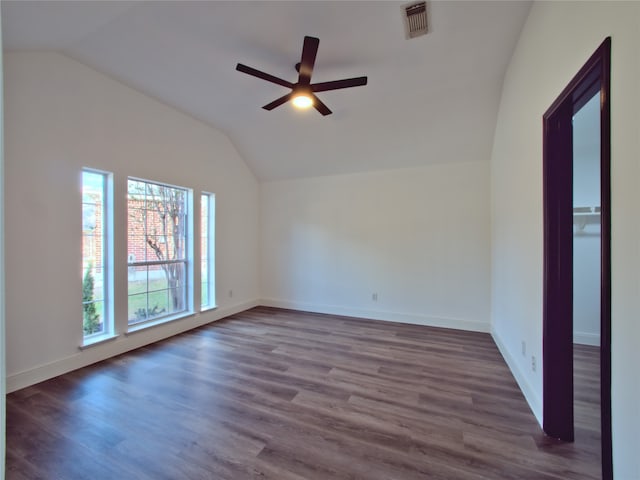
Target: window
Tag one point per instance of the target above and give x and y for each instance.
(158, 251)
(207, 242)
(96, 311)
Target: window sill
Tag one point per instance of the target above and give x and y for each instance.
(138, 327)
(98, 340)
(208, 308)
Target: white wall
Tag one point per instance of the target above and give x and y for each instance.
(556, 41)
(586, 154)
(61, 116)
(586, 285)
(418, 237)
(586, 237)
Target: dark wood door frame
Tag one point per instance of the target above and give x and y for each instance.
(557, 343)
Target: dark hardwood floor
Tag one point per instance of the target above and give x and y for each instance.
(586, 401)
(277, 394)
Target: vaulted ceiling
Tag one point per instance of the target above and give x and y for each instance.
(431, 99)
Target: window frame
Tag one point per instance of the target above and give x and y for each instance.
(106, 255)
(207, 252)
(187, 261)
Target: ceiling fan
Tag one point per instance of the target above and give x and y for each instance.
(303, 92)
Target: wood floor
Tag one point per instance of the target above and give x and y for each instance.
(586, 401)
(277, 394)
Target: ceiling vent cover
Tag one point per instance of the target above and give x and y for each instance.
(415, 19)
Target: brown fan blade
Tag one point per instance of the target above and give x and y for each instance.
(278, 102)
(309, 51)
(338, 84)
(264, 76)
(319, 106)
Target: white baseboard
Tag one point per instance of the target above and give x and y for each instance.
(530, 395)
(584, 338)
(414, 319)
(122, 344)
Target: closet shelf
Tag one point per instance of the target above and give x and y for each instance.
(583, 216)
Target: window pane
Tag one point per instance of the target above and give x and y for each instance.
(205, 272)
(137, 279)
(176, 299)
(157, 250)
(158, 304)
(157, 279)
(94, 249)
(207, 210)
(98, 284)
(137, 307)
(205, 294)
(136, 188)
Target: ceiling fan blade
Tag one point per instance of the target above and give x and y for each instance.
(337, 84)
(309, 51)
(319, 106)
(264, 76)
(278, 102)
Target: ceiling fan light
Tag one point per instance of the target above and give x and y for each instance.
(302, 101)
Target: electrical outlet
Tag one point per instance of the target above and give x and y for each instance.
(374, 297)
(524, 348)
(230, 293)
(533, 363)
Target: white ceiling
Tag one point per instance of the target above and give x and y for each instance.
(432, 99)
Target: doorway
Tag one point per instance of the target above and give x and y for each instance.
(593, 79)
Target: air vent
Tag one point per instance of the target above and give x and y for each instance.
(415, 19)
